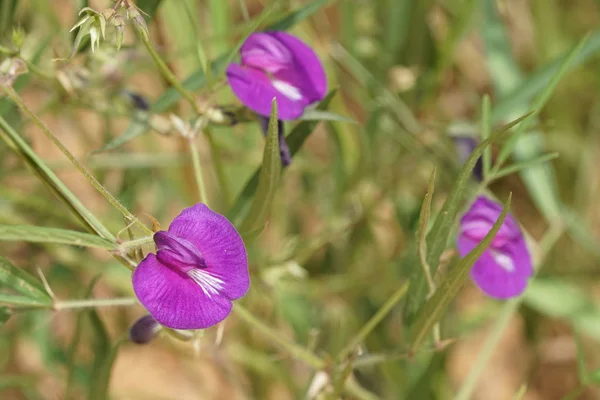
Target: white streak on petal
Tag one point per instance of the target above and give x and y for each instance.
(504, 261)
(288, 90)
(209, 283)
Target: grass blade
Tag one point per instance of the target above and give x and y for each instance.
(440, 232)
(297, 16)
(295, 140)
(49, 178)
(434, 308)
(22, 282)
(268, 180)
(38, 234)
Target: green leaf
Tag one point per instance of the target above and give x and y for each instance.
(318, 115)
(268, 180)
(423, 224)
(149, 7)
(520, 166)
(38, 234)
(434, 308)
(5, 314)
(440, 232)
(21, 301)
(512, 102)
(295, 140)
(297, 16)
(16, 143)
(22, 282)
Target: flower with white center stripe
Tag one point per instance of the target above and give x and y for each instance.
(277, 65)
(200, 266)
(504, 269)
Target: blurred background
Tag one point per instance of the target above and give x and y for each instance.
(341, 235)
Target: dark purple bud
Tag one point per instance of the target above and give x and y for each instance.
(137, 100)
(284, 150)
(464, 147)
(144, 330)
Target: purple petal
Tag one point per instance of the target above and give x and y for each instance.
(480, 218)
(177, 252)
(308, 73)
(175, 300)
(254, 88)
(263, 51)
(500, 273)
(220, 245)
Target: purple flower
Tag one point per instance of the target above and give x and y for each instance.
(199, 268)
(504, 268)
(277, 65)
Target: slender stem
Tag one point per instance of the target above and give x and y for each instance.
(14, 96)
(48, 177)
(93, 303)
(220, 171)
(374, 321)
(169, 76)
(132, 244)
(292, 348)
(198, 171)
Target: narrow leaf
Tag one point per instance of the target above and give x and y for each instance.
(297, 16)
(541, 100)
(22, 282)
(536, 82)
(149, 7)
(422, 229)
(434, 308)
(318, 115)
(5, 314)
(295, 141)
(49, 178)
(21, 301)
(38, 234)
(440, 232)
(520, 166)
(268, 180)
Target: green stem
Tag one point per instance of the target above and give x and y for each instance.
(47, 176)
(93, 303)
(132, 244)
(374, 321)
(198, 170)
(169, 76)
(220, 171)
(292, 348)
(14, 96)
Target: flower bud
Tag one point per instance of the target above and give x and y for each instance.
(139, 23)
(144, 330)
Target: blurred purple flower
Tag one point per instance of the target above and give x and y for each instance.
(504, 268)
(277, 65)
(200, 267)
(284, 150)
